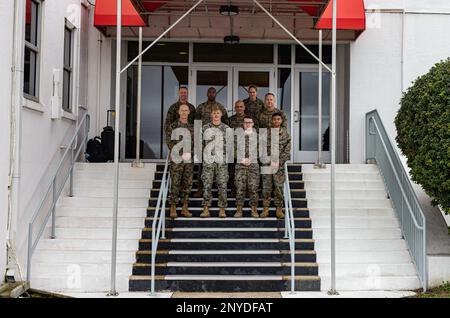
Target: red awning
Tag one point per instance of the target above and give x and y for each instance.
(350, 16)
(105, 14)
(313, 9)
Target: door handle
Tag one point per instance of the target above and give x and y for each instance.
(296, 116)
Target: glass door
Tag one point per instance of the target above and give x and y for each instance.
(245, 76)
(217, 77)
(305, 139)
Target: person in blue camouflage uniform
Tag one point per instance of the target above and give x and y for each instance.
(181, 174)
(215, 171)
(274, 182)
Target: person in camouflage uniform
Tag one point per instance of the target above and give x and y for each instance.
(203, 113)
(265, 117)
(253, 105)
(276, 180)
(215, 171)
(235, 121)
(172, 113)
(181, 174)
(247, 170)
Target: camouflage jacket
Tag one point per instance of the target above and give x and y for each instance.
(203, 112)
(236, 121)
(253, 108)
(223, 128)
(265, 118)
(284, 146)
(251, 150)
(172, 115)
(177, 124)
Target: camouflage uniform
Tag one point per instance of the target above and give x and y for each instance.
(276, 181)
(265, 118)
(247, 177)
(181, 174)
(254, 108)
(172, 115)
(235, 122)
(203, 112)
(215, 171)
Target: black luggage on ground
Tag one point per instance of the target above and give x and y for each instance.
(108, 139)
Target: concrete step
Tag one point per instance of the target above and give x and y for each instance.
(123, 184)
(343, 176)
(368, 234)
(62, 244)
(80, 257)
(67, 211)
(84, 283)
(352, 212)
(309, 168)
(93, 233)
(99, 222)
(369, 257)
(347, 194)
(361, 245)
(350, 203)
(101, 166)
(344, 185)
(372, 283)
(94, 192)
(359, 270)
(356, 222)
(41, 268)
(84, 202)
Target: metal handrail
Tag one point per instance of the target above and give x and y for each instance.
(289, 224)
(380, 148)
(159, 218)
(56, 192)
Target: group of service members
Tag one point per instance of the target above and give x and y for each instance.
(242, 178)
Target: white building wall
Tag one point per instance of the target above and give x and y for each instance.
(42, 136)
(376, 56)
(6, 51)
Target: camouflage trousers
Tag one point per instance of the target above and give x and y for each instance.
(247, 177)
(219, 173)
(181, 177)
(273, 183)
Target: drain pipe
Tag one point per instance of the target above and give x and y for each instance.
(15, 141)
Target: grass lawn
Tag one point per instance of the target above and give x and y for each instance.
(442, 291)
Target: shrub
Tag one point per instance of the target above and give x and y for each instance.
(423, 132)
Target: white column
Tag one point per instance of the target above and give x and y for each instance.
(138, 163)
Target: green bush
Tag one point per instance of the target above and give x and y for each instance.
(423, 132)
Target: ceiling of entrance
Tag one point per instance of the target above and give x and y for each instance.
(252, 25)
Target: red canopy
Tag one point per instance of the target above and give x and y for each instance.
(350, 15)
(105, 14)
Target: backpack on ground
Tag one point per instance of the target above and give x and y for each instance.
(94, 151)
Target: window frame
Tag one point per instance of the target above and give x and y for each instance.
(69, 68)
(36, 49)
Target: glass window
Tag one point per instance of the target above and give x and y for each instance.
(235, 53)
(32, 48)
(284, 54)
(284, 92)
(259, 79)
(303, 57)
(68, 69)
(216, 79)
(160, 52)
(160, 86)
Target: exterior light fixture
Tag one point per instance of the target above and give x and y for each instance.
(231, 39)
(229, 10)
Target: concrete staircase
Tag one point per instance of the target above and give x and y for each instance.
(370, 251)
(228, 254)
(79, 259)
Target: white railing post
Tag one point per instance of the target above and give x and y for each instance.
(138, 163)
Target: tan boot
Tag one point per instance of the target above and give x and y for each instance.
(173, 211)
(265, 212)
(185, 212)
(255, 213)
(205, 213)
(279, 213)
(238, 213)
(222, 213)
